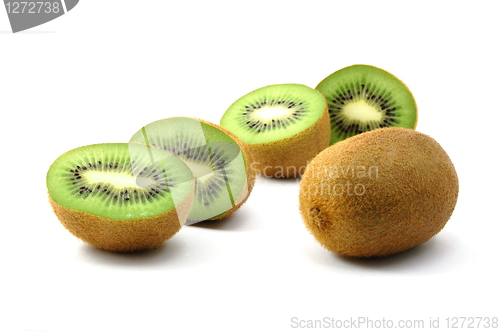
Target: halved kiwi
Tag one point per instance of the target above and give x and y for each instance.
(283, 125)
(217, 158)
(119, 196)
(362, 98)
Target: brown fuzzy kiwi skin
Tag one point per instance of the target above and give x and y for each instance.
(289, 157)
(251, 174)
(407, 195)
(124, 235)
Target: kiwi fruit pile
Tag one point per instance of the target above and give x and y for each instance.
(370, 184)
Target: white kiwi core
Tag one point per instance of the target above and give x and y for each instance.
(272, 112)
(198, 170)
(118, 179)
(361, 111)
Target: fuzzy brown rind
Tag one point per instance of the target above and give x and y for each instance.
(288, 157)
(250, 172)
(124, 235)
(407, 189)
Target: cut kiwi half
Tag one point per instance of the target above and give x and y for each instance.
(120, 196)
(283, 125)
(362, 98)
(218, 160)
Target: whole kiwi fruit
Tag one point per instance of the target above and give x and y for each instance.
(283, 126)
(378, 193)
(120, 197)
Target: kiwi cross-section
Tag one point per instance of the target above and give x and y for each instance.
(217, 158)
(120, 196)
(283, 125)
(362, 98)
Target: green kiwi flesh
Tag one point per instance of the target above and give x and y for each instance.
(216, 160)
(362, 98)
(274, 112)
(119, 181)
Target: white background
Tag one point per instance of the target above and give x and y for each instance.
(107, 68)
